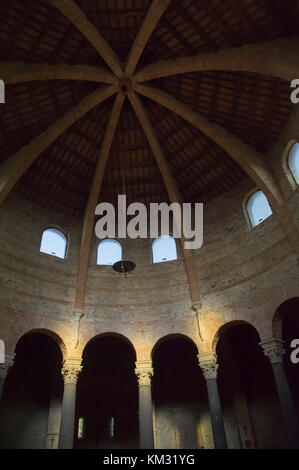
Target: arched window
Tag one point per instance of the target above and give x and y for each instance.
(109, 252)
(258, 208)
(164, 249)
(293, 162)
(54, 243)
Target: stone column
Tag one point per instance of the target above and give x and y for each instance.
(209, 366)
(4, 368)
(274, 351)
(70, 371)
(144, 372)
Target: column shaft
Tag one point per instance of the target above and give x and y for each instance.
(216, 415)
(70, 371)
(274, 351)
(209, 367)
(144, 373)
(146, 417)
(67, 425)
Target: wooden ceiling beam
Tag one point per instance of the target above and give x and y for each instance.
(89, 216)
(278, 58)
(245, 20)
(157, 44)
(61, 162)
(111, 14)
(152, 18)
(140, 180)
(146, 163)
(172, 190)
(55, 185)
(16, 165)
(40, 192)
(200, 172)
(71, 181)
(17, 72)
(252, 162)
(219, 20)
(76, 16)
(201, 148)
(201, 31)
(151, 196)
(188, 48)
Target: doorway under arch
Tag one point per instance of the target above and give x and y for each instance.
(180, 399)
(249, 398)
(32, 395)
(107, 395)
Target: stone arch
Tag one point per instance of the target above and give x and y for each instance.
(39, 357)
(171, 336)
(271, 317)
(279, 314)
(52, 334)
(227, 326)
(109, 334)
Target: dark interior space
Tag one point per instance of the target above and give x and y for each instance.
(244, 370)
(179, 392)
(107, 396)
(289, 312)
(31, 384)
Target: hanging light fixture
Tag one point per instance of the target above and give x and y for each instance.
(124, 267)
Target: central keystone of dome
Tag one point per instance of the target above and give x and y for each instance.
(124, 85)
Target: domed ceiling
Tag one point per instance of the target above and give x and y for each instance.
(254, 107)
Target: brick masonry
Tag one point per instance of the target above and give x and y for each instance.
(245, 274)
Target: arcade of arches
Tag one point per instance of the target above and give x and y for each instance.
(175, 101)
(178, 399)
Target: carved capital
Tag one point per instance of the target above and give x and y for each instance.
(144, 373)
(273, 349)
(71, 370)
(4, 368)
(208, 364)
